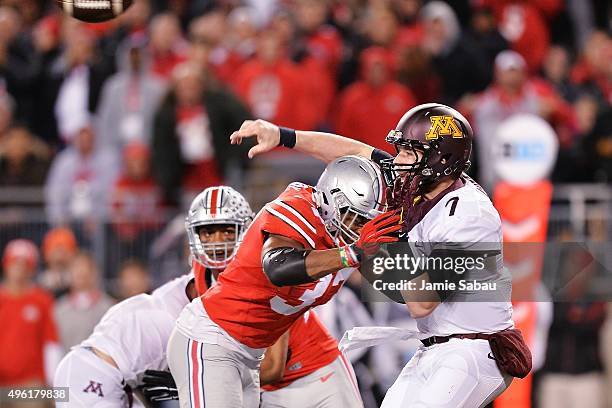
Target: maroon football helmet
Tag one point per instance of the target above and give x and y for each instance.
(442, 136)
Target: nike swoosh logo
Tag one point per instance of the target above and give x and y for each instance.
(326, 377)
(491, 356)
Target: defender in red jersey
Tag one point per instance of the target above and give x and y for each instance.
(294, 256)
(307, 370)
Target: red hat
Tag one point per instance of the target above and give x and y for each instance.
(136, 150)
(20, 249)
(59, 237)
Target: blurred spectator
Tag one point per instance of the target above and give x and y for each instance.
(576, 379)
(129, 99)
(598, 143)
(133, 279)
(227, 42)
(190, 138)
(369, 108)
(70, 85)
(78, 312)
(24, 159)
(271, 84)
(136, 210)
(15, 54)
(380, 25)
(321, 41)
(485, 35)
(415, 70)
(29, 350)
(59, 248)
(524, 25)
(7, 108)
(407, 11)
(462, 66)
(556, 70)
(79, 181)
(167, 46)
(514, 91)
(593, 72)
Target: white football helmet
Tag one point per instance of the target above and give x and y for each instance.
(350, 188)
(217, 206)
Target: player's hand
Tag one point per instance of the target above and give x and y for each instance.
(267, 134)
(382, 229)
(159, 386)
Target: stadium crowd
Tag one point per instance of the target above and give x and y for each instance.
(122, 121)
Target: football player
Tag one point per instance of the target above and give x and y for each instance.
(295, 255)
(440, 205)
(128, 346)
(305, 369)
(306, 359)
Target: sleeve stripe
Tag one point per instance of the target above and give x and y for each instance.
(296, 213)
(291, 224)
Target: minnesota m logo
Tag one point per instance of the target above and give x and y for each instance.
(94, 387)
(443, 126)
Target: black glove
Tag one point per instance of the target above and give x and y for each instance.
(159, 386)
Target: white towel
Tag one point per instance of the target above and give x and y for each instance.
(359, 337)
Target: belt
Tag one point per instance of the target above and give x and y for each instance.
(430, 341)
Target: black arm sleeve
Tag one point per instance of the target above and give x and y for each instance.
(286, 266)
(378, 155)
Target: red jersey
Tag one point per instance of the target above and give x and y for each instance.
(272, 92)
(27, 325)
(311, 347)
(244, 302)
(366, 113)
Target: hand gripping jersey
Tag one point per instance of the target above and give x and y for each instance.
(135, 332)
(310, 348)
(464, 218)
(244, 302)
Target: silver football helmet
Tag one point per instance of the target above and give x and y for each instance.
(217, 206)
(350, 190)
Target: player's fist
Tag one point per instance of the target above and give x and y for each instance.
(267, 135)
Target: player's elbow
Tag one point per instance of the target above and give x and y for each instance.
(286, 266)
(420, 309)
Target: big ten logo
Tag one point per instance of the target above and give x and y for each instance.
(523, 150)
(443, 126)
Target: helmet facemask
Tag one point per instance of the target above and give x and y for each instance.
(409, 179)
(346, 220)
(215, 254)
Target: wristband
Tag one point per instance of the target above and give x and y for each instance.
(349, 257)
(287, 137)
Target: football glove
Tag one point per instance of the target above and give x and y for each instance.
(159, 386)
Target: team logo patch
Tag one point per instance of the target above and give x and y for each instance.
(295, 366)
(94, 387)
(443, 126)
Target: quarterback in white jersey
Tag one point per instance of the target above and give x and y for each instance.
(130, 339)
(443, 210)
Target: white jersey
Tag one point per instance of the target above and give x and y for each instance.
(135, 332)
(466, 219)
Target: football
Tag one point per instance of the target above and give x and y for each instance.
(94, 11)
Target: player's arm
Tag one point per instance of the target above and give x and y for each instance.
(324, 146)
(275, 360)
(286, 262)
(420, 303)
